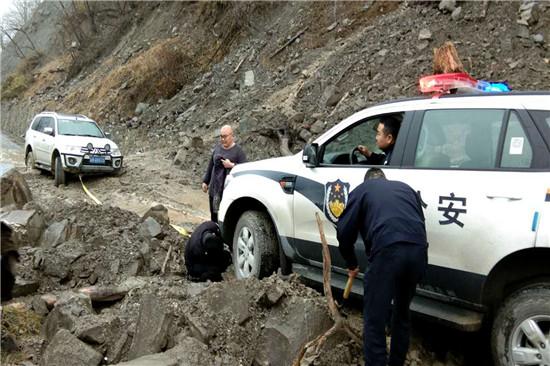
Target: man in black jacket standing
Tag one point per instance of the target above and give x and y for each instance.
(389, 217)
(224, 157)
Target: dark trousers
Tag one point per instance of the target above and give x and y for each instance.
(213, 210)
(392, 274)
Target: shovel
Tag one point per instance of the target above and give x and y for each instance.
(349, 284)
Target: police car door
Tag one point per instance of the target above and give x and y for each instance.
(326, 188)
(471, 168)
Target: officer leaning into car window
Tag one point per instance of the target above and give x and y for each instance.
(224, 157)
(386, 135)
(389, 217)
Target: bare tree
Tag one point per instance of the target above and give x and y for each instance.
(15, 21)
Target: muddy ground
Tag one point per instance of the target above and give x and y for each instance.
(233, 322)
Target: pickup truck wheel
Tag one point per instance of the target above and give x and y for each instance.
(255, 246)
(59, 173)
(521, 330)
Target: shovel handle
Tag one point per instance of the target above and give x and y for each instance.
(347, 290)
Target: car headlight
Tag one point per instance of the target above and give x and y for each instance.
(115, 151)
(73, 149)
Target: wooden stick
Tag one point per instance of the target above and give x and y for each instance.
(239, 65)
(340, 323)
(289, 42)
(166, 260)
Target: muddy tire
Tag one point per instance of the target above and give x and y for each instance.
(255, 246)
(30, 163)
(521, 330)
(59, 173)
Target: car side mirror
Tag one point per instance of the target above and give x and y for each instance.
(108, 135)
(48, 130)
(309, 155)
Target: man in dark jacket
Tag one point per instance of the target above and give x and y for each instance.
(224, 157)
(389, 217)
(205, 256)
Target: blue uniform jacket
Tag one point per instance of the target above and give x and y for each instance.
(383, 212)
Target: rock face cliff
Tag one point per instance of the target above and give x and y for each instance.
(171, 73)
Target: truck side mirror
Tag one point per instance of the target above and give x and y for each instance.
(309, 155)
(48, 130)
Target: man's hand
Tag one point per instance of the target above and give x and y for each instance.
(353, 272)
(364, 150)
(227, 163)
(204, 187)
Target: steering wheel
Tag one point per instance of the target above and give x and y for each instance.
(354, 155)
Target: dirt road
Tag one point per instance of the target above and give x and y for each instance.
(149, 179)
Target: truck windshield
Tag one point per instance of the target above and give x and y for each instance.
(78, 128)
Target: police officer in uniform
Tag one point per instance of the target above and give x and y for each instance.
(388, 216)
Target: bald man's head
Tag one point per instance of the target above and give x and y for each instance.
(226, 136)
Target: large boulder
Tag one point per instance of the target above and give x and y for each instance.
(65, 349)
(159, 213)
(66, 313)
(13, 187)
(152, 328)
(28, 226)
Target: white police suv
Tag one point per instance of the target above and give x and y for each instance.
(481, 164)
(70, 143)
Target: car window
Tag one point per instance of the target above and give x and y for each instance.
(339, 149)
(78, 128)
(34, 125)
(459, 139)
(517, 151)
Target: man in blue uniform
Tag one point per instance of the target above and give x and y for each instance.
(389, 217)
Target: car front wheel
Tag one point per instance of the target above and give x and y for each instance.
(30, 162)
(521, 330)
(255, 246)
(59, 173)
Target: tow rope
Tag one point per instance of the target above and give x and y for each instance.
(180, 230)
(97, 202)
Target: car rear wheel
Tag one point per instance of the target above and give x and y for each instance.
(59, 173)
(255, 246)
(521, 330)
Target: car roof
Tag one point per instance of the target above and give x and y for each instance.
(78, 117)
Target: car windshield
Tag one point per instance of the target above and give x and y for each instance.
(73, 127)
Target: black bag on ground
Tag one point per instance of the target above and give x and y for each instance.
(205, 256)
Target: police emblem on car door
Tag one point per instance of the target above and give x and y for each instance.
(336, 199)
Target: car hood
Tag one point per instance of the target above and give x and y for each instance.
(285, 163)
(84, 140)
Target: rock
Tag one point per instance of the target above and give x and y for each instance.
(180, 158)
(152, 328)
(305, 134)
(150, 228)
(288, 328)
(65, 347)
(332, 96)
(456, 13)
(422, 45)
(140, 108)
(39, 305)
(187, 353)
(198, 88)
(114, 353)
(55, 234)
(538, 38)
(297, 118)
(159, 213)
(317, 127)
(199, 330)
(382, 53)
(66, 312)
(95, 329)
(424, 34)
(332, 26)
(24, 287)
(271, 296)
(528, 13)
(249, 78)
(447, 5)
(27, 226)
(523, 32)
(13, 187)
(57, 262)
